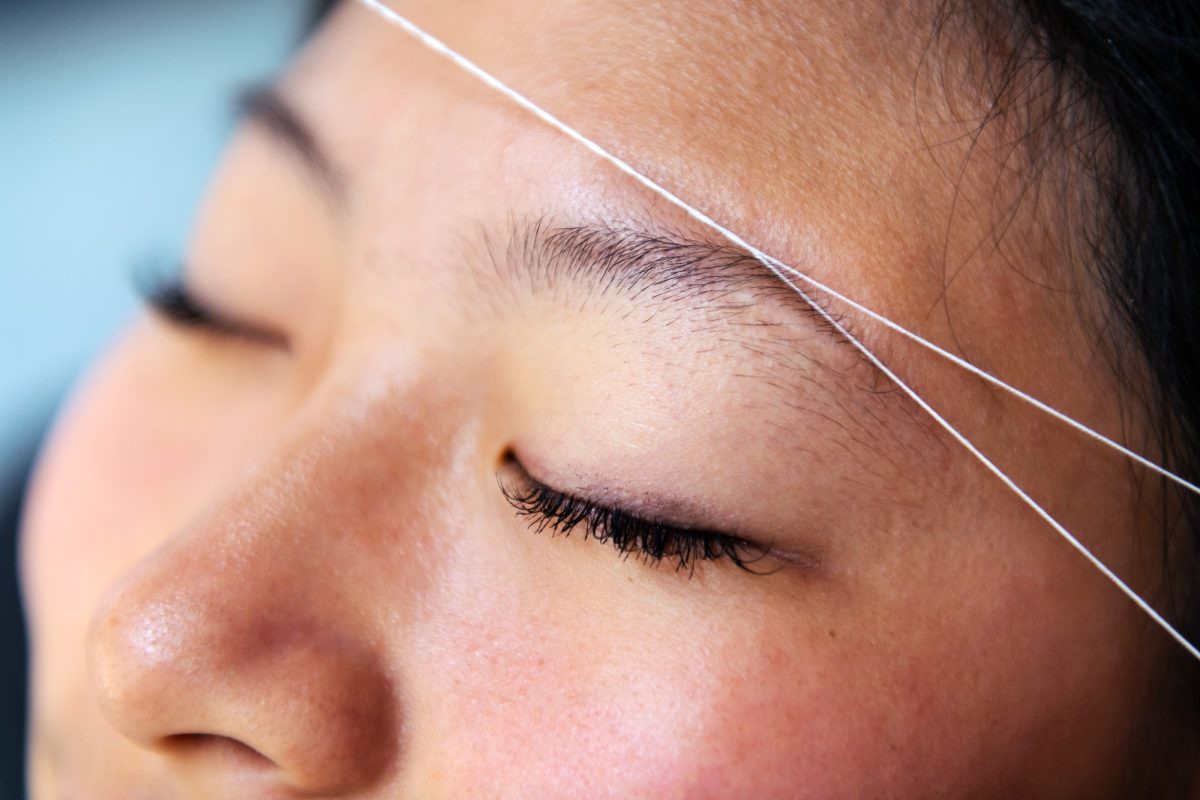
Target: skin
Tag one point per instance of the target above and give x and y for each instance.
(285, 568)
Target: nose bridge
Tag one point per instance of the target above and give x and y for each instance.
(256, 623)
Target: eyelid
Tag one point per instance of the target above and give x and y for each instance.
(630, 533)
(179, 305)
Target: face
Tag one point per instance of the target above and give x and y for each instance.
(486, 473)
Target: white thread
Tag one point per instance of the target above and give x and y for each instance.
(772, 263)
(1003, 476)
(783, 271)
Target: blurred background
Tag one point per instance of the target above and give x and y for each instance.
(112, 115)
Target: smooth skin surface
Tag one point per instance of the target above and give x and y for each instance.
(285, 566)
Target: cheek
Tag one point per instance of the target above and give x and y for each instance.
(574, 689)
(583, 691)
(141, 446)
(97, 478)
(530, 704)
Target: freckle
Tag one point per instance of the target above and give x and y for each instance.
(832, 635)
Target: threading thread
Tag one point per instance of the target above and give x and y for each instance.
(786, 273)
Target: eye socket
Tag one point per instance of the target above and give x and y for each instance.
(651, 541)
(177, 304)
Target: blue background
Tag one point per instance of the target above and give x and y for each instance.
(112, 115)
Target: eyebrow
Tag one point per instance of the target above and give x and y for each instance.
(663, 272)
(667, 272)
(651, 265)
(657, 268)
(643, 263)
(265, 107)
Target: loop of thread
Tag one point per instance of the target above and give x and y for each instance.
(786, 274)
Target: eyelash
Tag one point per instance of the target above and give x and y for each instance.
(543, 507)
(653, 542)
(176, 303)
(172, 300)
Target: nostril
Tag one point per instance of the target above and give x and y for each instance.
(214, 746)
(223, 765)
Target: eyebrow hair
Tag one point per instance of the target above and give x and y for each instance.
(264, 106)
(663, 270)
(648, 264)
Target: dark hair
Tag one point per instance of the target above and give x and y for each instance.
(1134, 66)
(1110, 88)
(320, 8)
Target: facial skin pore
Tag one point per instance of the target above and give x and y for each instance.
(286, 567)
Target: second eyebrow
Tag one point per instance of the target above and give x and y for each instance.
(264, 106)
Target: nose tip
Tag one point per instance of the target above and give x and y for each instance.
(243, 685)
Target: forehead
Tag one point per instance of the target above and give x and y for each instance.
(821, 132)
(844, 138)
(805, 126)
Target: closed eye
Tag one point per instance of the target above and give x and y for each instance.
(651, 541)
(176, 303)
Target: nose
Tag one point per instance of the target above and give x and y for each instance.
(236, 646)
